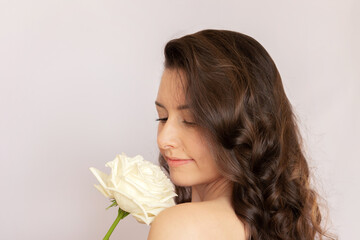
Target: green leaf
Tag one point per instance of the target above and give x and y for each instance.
(112, 205)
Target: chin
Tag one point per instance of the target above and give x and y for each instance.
(181, 181)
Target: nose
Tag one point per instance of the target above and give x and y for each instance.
(168, 135)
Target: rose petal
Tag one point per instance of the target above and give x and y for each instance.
(103, 191)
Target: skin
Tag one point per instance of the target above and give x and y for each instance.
(179, 138)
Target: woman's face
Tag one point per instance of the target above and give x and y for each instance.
(180, 142)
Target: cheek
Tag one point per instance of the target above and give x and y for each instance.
(206, 161)
(199, 146)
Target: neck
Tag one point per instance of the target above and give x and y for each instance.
(217, 189)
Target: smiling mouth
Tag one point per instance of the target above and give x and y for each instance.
(177, 162)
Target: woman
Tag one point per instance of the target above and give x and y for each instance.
(229, 141)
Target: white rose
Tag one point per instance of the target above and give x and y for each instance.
(138, 186)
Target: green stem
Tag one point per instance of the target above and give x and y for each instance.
(121, 215)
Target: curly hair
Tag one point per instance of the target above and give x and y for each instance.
(237, 99)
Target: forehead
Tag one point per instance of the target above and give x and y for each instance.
(171, 89)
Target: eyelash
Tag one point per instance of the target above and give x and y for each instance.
(162, 120)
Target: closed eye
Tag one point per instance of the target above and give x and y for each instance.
(161, 119)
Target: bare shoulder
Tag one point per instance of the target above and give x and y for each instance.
(178, 223)
(194, 221)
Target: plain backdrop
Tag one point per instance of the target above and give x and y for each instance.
(78, 80)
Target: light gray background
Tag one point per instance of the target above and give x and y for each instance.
(78, 80)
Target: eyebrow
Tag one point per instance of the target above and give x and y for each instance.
(180, 107)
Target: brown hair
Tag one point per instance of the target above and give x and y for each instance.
(237, 99)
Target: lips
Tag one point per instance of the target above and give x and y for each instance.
(177, 161)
